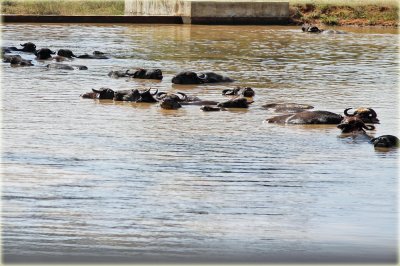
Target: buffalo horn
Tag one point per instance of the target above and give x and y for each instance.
(346, 113)
(184, 96)
(369, 127)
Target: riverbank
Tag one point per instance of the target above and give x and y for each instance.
(384, 14)
(321, 12)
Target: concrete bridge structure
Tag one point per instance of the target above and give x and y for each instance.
(213, 12)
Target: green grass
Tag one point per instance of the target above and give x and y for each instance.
(63, 7)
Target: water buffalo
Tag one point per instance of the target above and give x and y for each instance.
(315, 29)
(65, 53)
(102, 93)
(244, 91)
(147, 97)
(235, 103)
(8, 58)
(66, 67)
(28, 47)
(119, 74)
(184, 99)
(287, 107)
(127, 95)
(16, 60)
(170, 102)
(147, 74)
(135, 95)
(189, 77)
(95, 55)
(307, 117)
(310, 28)
(385, 141)
(44, 53)
(368, 115)
(23, 62)
(354, 125)
(179, 96)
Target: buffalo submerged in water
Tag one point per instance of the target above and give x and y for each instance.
(189, 77)
(367, 115)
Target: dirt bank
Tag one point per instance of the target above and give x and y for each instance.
(365, 15)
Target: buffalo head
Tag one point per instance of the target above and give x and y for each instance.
(368, 115)
(170, 103)
(66, 53)
(28, 47)
(310, 28)
(44, 53)
(354, 125)
(385, 141)
(147, 97)
(127, 95)
(103, 93)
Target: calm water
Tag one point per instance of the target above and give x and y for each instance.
(92, 181)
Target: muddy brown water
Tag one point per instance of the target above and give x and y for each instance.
(98, 181)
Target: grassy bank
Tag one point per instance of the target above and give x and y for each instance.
(326, 12)
(63, 7)
(340, 13)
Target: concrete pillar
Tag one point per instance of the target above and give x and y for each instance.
(213, 12)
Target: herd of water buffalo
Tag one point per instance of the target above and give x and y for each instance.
(291, 113)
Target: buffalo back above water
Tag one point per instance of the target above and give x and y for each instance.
(187, 77)
(148, 74)
(307, 117)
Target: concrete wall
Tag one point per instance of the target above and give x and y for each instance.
(213, 12)
(153, 7)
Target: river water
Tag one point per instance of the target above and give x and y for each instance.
(98, 181)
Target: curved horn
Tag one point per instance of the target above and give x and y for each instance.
(153, 93)
(346, 112)
(369, 127)
(203, 78)
(372, 112)
(227, 92)
(161, 95)
(185, 97)
(146, 91)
